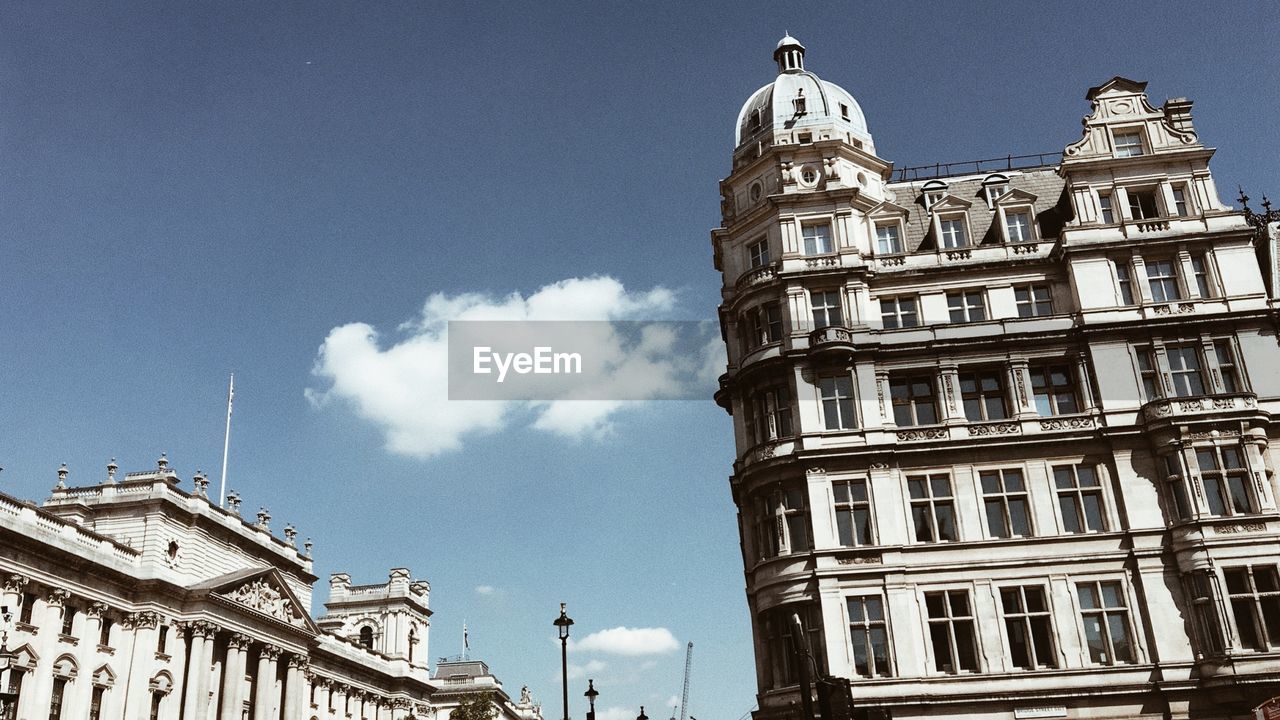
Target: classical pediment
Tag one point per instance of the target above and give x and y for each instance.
(262, 591)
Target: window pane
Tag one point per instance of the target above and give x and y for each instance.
(1018, 519)
(1093, 638)
(1070, 514)
(1093, 512)
(946, 522)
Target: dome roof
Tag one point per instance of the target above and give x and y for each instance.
(773, 107)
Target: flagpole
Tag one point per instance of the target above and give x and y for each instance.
(226, 442)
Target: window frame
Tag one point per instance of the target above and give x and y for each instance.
(1142, 204)
(927, 507)
(805, 238)
(845, 405)
(1075, 492)
(1004, 499)
(1265, 630)
(1028, 232)
(1128, 133)
(1073, 387)
(1194, 380)
(963, 302)
(981, 395)
(1035, 306)
(758, 253)
(1123, 268)
(867, 626)
(958, 237)
(897, 240)
(1106, 207)
(1109, 655)
(1027, 620)
(832, 313)
(1167, 283)
(898, 314)
(911, 401)
(952, 621)
(859, 534)
(1229, 484)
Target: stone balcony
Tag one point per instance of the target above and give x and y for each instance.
(1170, 409)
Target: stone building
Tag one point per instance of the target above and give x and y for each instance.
(1004, 430)
(133, 599)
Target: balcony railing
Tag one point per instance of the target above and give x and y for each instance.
(1198, 405)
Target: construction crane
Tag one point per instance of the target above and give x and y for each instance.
(684, 696)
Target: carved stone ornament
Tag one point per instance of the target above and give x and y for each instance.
(271, 652)
(58, 596)
(14, 583)
(145, 620)
(259, 595)
(299, 662)
(96, 609)
(239, 641)
(860, 560)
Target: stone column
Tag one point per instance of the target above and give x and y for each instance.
(233, 677)
(950, 408)
(195, 706)
(1024, 402)
(80, 694)
(171, 706)
(49, 624)
(295, 688)
(142, 653)
(340, 701)
(265, 698)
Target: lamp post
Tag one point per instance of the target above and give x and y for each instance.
(562, 624)
(591, 695)
(6, 660)
(642, 716)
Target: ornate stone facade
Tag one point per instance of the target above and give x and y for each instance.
(136, 600)
(1043, 396)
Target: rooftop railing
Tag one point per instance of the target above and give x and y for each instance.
(976, 167)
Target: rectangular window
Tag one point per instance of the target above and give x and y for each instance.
(1163, 279)
(1200, 271)
(844, 111)
(1108, 213)
(1054, 388)
(16, 676)
(1017, 225)
(1142, 204)
(764, 324)
(899, 312)
(853, 512)
(1255, 604)
(1033, 300)
(1180, 200)
(1106, 622)
(951, 631)
(1226, 359)
(983, 394)
(967, 306)
(1124, 277)
(913, 402)
(868, 636)
(953, 235)
(1029, 627)
(826, 308)
(104, 633)
(28, 605)
(837, 402)
(1149, 374)
(1177, 487)
(759, 253)
(95, 703)
(1184, 370)
(778, 629)
(795, 515)
(162, 639)
(1128, 144)
(771, 414)
(993, 191)
(155, 705)
(55, 701)
(1226, 480)
(68, 618)
(817, 238)
(1004, 500)
(1200, 590)
(888, 239)
(932, 508)
(1079, 498)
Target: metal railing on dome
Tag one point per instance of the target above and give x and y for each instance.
(976, 167)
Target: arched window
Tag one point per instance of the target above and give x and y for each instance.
(366, 637)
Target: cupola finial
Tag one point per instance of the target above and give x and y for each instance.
(789, 54)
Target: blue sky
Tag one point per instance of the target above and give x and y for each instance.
(193, 188)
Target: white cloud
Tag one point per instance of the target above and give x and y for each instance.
(616, 713)
(401, 384)
(577, 672)
(628, 641)
(486, 589)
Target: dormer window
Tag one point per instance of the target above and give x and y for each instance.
(1128, 143)
(933, 192)
(1017, 226)
(993, 187)
(844, 111)
(755, 119)
(951, 232)
(889, 238)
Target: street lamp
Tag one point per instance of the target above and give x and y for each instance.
(6, 660)
(591, 698)
(562, 624)
(642, 716)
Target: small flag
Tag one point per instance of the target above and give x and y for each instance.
(466, 643)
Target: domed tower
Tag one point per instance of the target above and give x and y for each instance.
(795, 249)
